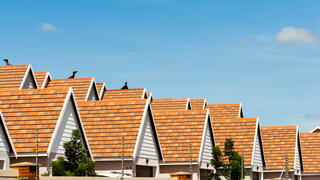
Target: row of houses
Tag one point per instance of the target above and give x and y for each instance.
(130, 130)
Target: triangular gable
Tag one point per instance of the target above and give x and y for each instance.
(207, 144)
(92, 92)
(188, 106)
(69, 120)
(148, 145)
(257, 156)
(29, 81)
(6, 144)
(46, 81)
(240, 111)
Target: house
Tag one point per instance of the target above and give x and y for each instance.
(310, 150)
(51, 111)
(245, 132)
(122, 131)
(17, 77)
(186, 140)
(6, 146)
(139, 93)
(84, 88)
(198, 104)
(219, 111)
(43, 78)
(171, 104)
(315, 130)
(281, 149)
(101, 87)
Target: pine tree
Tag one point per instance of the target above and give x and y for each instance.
(77, 162)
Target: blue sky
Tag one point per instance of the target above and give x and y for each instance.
(264, 55)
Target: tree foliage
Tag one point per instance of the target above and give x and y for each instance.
(228, 164)
(77, 162)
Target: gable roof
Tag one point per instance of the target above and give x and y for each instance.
(219, 111)
(241, 130)
(42, 78)
(106, 121)
(101, 88)
(315, 130)
(310, 147)
(177, 129)
(26, 110)
(170, 104)
(279, 141)
(81, 86)
(139, 93)
(13, 76)
(198, 104)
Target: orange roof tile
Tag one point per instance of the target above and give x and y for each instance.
(40, 78)
(241, 130)
(101, 87)
(80, 86)
(219, 111)
(199, 104)
(26, 110)
(125, 93)
(278, 141)
(106, 121)
(310, 147)
(11, 76)
(170, 104)
(176, 130)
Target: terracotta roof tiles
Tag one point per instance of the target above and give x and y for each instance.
(279, 141)
(26, 110)
(219, 111)
(101, 88)
(106, 121)
(199, 104)
(11, 76)
(138, 93)
(310, 147)
(176, 130)
(40, 78)
(241, 130)
(170, 104)
(80, 86)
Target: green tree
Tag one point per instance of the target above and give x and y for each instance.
(228, 164)
(77, 162)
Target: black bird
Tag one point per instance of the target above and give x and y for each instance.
(73, 75)
(6, 61)
(125, 86)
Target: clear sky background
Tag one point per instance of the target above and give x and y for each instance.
(264, 55)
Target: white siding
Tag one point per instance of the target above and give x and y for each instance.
(297, 158)
(4, 150)
(30, 82)
(148, 148)
(257, 157)
(68, 124)
(207, 147)
(92, 94)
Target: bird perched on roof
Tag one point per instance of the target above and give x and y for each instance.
(6, 61)
(125, 86)
(73, 75)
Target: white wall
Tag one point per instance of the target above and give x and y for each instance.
(207, 148)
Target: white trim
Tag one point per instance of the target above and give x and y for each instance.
(254, 142)
(46, 80)
(155, 127)
(145, 112)
(240, 110)
(316, 128)
(64, 107)
(144, 93)
(178, 163)
(204, 104)
(26, 76)
(277, 170)
(296, 149)
(306, 174)
(114, 159)
(9, 137)
(103, 89)
(188, 103)
(32, 155)
(89, 90)
(203, 137)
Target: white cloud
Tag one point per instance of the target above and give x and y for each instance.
(312, 116)
(48, 27)
(291, 34)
